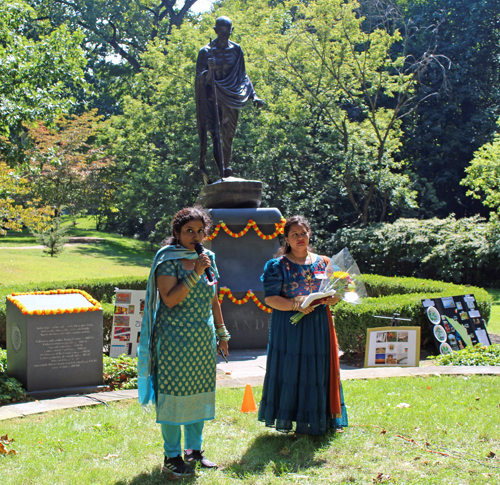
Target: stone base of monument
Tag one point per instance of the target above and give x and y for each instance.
(240, 262)
(231, 192)
(54, 343)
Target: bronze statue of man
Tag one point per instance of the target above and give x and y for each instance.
(222, 88)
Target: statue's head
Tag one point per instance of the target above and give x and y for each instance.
(223, 26)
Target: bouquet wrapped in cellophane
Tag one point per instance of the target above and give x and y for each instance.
(342, 279)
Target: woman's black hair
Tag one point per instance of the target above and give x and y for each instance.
(285, 248)
(183, 217)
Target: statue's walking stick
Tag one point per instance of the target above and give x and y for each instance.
(218, 139)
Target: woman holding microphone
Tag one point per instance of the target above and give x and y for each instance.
(178, 342)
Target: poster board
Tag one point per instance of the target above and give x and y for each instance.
(455, 322)
(392, 347)
(127, 318)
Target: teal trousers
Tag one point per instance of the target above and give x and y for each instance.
(172, 438)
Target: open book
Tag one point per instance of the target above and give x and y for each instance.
(312, 297)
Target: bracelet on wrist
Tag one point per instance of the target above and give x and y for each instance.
(190, 280)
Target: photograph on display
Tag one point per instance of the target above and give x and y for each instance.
(123, 297)
(402, 336)
(392, 336)
(127, 322)
(123, 337)
(121, 310)
(402, 359)
(121, 320)
(460, 323)
(391, 359)
(448, 302)
(141, 307)
(392, 346)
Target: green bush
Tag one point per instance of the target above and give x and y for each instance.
(11, 390)
(387, 296)
(103, 290)
(120, 372)
(477, 355)
(460, 250)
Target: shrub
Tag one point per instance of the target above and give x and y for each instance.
(103, 290)
(395, 295)
(11, 390)
(477, 355)
(120, 372)
(463, 251)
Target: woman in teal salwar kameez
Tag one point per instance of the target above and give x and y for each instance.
(177, 350)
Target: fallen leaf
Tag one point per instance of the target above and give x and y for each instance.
(429, 387)
(491, 455)
(12, 452)
(381, 478)
(487, 475)
(285, 451)
(3, 450)
(427, 443)
(477, 398)
(403, 405)
(108, 456)
(417, 458)
(383, 431)
(417, 429)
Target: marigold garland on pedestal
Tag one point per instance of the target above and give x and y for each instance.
(279, 230)
(250, 294)
(56, 311)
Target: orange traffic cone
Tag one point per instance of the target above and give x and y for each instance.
(248, 405)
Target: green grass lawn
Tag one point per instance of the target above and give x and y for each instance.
(116, 256)
(449, 435)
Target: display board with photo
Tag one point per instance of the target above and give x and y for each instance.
(392, 346)
(455, 322)
(126, 331)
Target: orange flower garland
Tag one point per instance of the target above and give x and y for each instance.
(279, 230)
(250, 294)
(57, 311)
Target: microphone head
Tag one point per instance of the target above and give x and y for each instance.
(198, 247)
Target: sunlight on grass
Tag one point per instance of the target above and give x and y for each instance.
(453, 422)
(80, 261)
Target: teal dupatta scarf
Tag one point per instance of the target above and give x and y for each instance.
(144, 350)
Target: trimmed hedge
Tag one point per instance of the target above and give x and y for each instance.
(388, 295)
(465, 251)
(102, 289)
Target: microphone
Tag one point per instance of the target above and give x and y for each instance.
(198, 247)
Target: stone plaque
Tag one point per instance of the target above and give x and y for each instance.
(54, 343)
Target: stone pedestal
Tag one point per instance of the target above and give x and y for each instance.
(231, 193)
(54, 354)
(241, 263)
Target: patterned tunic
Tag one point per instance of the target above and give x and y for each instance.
(184, 366)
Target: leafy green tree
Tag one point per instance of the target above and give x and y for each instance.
(329, 73)
(121, 28)
(65, 164)
(483, 174)
(38, 74)
(14, 214)
(459, 100)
